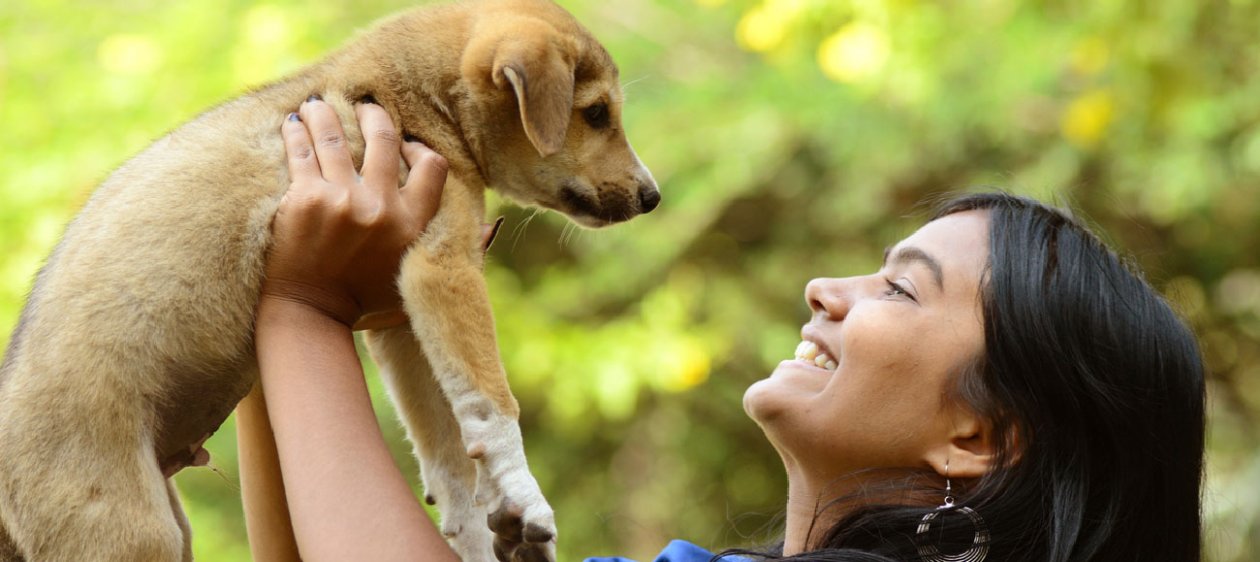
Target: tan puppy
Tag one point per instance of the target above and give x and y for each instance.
(136, 340)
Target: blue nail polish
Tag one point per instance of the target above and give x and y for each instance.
(314, 97)
(294, 117)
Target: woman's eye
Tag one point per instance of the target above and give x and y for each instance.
(895, 289)
(596, 116)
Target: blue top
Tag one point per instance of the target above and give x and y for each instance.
(677, 551)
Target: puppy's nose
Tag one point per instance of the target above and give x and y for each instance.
(649, 197)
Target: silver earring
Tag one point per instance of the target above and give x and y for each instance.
(979, 545)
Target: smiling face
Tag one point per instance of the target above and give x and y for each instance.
(869, 384)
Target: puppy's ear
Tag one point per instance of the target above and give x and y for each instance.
(539, 69)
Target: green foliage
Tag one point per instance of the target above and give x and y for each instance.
(792, 139)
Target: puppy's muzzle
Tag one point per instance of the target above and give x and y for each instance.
(609, 202)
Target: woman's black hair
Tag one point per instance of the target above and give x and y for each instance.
(1094, 388)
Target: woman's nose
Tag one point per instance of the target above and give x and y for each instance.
(828, 296)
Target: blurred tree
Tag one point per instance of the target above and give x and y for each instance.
(792, 139)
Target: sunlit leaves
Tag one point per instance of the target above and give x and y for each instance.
(130, 54)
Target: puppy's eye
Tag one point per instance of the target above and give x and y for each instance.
(596, 116)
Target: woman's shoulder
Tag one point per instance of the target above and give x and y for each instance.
(676, 551)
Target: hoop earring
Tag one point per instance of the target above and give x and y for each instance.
(979, 545)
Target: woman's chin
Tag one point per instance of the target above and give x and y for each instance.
(791, 383)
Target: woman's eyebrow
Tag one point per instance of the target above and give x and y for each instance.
(911, 254)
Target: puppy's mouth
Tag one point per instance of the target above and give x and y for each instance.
(596, 209)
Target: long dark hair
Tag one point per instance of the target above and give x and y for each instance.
(1094, 389)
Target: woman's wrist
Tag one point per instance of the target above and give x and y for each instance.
(291, 297)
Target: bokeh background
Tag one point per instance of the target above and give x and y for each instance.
(792, 139)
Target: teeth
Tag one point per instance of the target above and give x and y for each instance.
(825, 361)
(808, 352)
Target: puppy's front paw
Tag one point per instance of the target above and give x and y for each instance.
(469, 538)
(523, 523)
(519, 538)
(447, 486)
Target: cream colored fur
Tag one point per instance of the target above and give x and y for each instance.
(136, 339)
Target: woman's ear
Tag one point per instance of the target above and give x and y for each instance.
(967, 449)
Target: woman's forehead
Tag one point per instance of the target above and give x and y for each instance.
(955, 246)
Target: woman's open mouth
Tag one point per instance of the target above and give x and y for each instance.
(809, 352)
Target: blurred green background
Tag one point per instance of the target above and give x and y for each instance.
(791, 139)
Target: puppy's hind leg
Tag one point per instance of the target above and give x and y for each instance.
(97, 495)
(449, 476)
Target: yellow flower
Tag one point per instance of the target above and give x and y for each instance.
(762, 29)
(1087, 118)
(854, 53)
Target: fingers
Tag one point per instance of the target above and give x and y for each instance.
(380, 159)
(303, 166)
(329, 140)
(317, 149)
(423, 190)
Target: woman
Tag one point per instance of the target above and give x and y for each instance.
(1003, 388)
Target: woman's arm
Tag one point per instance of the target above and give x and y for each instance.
(338, 239)
(348, 499)
(262, 487)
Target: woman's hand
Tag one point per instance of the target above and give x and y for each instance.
(318, 479)
(339, 235)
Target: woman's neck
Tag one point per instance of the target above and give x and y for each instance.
(817, 503)
(809, 515)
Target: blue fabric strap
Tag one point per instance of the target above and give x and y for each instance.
(676, 551)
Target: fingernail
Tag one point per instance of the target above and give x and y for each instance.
(368, 99)
(314, 97)
(408, 137)
(294, 117)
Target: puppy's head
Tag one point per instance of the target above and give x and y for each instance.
(548, 107)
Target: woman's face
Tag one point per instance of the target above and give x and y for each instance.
(868, 385)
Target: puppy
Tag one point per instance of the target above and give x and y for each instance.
(136, 340)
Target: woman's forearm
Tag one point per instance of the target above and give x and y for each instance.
(262, 487)
(347, 498)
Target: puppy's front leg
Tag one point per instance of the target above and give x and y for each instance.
(445, 295)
